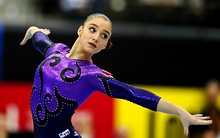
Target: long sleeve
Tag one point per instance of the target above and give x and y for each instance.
(41, 42)
(117, 89)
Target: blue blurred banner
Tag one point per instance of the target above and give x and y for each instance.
(1, 50)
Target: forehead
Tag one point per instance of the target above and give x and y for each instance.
(101, 23)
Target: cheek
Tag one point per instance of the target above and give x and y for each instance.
(83, 36)
(103, 42)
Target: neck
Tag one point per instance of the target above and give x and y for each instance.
(77, 53)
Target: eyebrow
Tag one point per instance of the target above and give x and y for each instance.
(98, 27)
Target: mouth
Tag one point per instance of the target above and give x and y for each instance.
(92, 44)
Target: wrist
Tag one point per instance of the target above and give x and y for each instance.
(181, 112)
(32, 30)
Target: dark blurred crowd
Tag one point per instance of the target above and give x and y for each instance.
(171, 12)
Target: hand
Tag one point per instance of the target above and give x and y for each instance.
(31, 30)
(185, 117)
(45, 31)
(197, 119)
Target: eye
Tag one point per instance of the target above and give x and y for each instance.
(92, 29)
(104, 36)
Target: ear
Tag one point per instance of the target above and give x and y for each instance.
(80, 30)
(104, 47)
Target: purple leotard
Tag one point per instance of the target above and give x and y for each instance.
(62, 84)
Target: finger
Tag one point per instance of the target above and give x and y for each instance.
(203, 118)
(203, 122)
(46, 31)
(198, 115)
(186, 130)
(23, 42)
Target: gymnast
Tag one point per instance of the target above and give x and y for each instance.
(67, 77)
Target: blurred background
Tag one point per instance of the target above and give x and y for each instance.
(170, 47)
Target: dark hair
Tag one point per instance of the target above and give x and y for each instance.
(109, 44)
(212, 81)
(103, 16)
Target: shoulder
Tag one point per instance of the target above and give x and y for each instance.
(58, 48)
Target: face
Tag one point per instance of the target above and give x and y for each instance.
(94, 35)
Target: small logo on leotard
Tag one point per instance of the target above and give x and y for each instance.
(64, 133)
(106, 72)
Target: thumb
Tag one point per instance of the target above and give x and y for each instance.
(186, 130)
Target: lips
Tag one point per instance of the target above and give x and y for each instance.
(92, 44)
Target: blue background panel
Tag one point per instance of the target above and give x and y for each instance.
(1, 49)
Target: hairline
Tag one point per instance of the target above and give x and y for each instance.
(97, 15)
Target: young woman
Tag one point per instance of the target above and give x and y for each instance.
(67, 77)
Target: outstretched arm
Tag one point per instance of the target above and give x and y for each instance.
(30, 31)
(151, 101)
(186, 118)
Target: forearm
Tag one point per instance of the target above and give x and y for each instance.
(170, 108)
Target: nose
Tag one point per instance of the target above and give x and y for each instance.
(96, 37)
